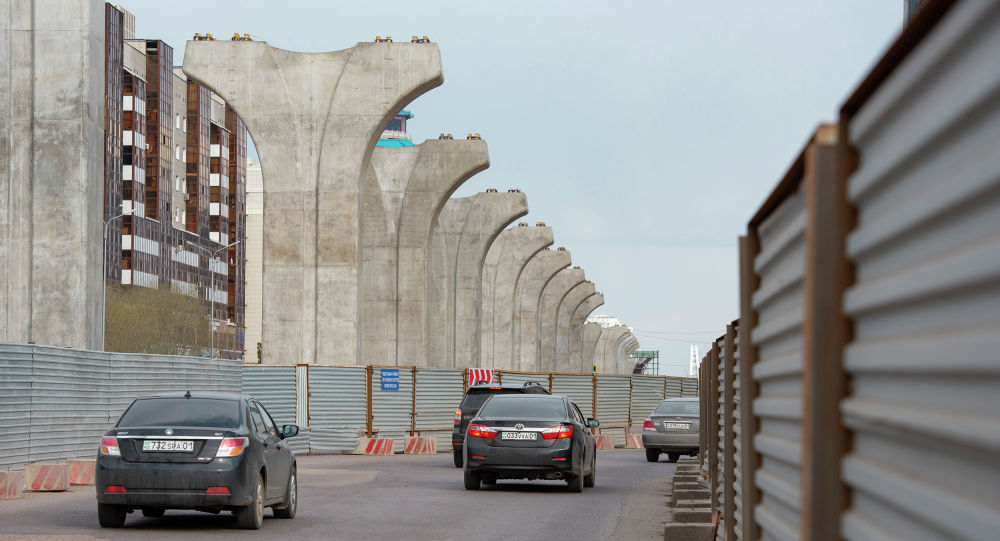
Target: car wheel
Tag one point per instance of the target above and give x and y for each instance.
(591, 478)
(652, 455)
(472, 480)
(153, 512)
(672, 457)
(287, 509)
(252, 516)
(111, 516)
(458, 459)
(575, 483)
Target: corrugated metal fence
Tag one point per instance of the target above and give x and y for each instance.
(857, 394)
(56, 402)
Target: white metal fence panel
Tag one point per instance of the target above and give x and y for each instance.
(689, 388)
(73, 396)
(647, 393)
(613, 395)
(69, 403)
(778, 337)
(924, 365)
(674, 388)
(338, 407)
(439, 393)
(392, 410)
(580, 388)
(15, 404)
(275, 388)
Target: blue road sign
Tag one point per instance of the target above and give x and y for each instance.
(390, 379)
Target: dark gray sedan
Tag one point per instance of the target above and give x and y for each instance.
(672, 428)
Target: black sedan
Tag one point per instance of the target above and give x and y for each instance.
(530, 436)
(204, 451)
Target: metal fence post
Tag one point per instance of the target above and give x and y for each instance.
(749, 425)
(368, 376)
(728, 486)
(413, 404)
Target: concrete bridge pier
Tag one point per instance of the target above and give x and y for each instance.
(504, 265)
(539, 271)
(604, 352)
(567, 308)
(548, 314)
(591, 333)
(315, 119)
(576, 323)
(465, 230)
(404, 191)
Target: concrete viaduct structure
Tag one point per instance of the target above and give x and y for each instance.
(505, 263)
(604, 352)
(367, 259)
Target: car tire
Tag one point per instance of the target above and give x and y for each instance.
(575, 483)
(472, 480)
(458, 459)
(591, 478)
(251, 516)
(153, 512)
(287, 509)
(672, 457)
(652, 455)
(110, 515)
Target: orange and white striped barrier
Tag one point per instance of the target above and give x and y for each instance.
(81, 472)
(633, 441)
(375, 446)
(420, 446)
(46, 477)
(11, 485)
(605, 442)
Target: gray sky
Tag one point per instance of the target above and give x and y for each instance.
(645, 133)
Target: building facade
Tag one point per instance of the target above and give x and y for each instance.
(175, 161)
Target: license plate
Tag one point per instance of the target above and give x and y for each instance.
(182, 446)
(519, 435)
(677, 426)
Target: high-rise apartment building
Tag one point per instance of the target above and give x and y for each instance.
(175, 158)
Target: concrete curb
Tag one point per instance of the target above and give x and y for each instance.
(420, 446)
(11, 485)
(692, 531)
(81, 472)
(46, 477)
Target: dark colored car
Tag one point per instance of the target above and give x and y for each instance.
(474, 398)
(205, 451)
(671, 428)
(530, 436)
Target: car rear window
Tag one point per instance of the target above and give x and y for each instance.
(210, 412)
(524, 407)
(677, 408)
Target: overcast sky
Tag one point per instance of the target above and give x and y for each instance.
(645, 133)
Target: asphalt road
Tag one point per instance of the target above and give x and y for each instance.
(397, 497)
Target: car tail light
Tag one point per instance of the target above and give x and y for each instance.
(648, 425)
(232, 446)
(114, 489)
(458, 417)
(109, 446)
(217, 490)
(558, 432)
(481, 431)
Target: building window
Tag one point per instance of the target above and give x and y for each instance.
(177, 152)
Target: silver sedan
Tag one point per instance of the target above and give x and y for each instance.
(671, 428)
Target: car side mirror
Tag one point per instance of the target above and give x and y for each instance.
(288, 431)
(593, 423)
